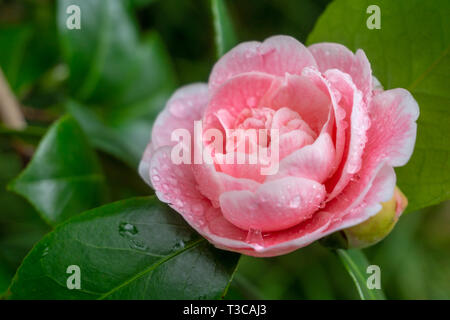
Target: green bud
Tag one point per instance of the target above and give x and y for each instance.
(373, 229)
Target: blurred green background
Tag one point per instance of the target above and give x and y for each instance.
(414, 259)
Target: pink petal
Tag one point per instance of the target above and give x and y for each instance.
(314, 162)
(368, 203)
(301, 94)
(144, 165)
(357, 118)
(293, 141)
(238, 93)
(286, 119)
(391, 138)
(392, 134)
(274, 205)
(276, 55)
(212, 183)
(336, 56)
(176, 185)
(251, 169)
(184, 107)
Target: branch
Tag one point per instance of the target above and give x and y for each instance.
(10, 112)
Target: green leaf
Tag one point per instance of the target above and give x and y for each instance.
(26, 52)
(225, 36)
(64, 176)
(5, 278)
(108, 63)
(141, 3)
(121, 81)
(133, 249)
(355, 262)
(13, 42)
(124, 131)
(125, 139)
(20, 225)
(412, 51)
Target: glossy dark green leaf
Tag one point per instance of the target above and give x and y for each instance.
(125, 140)
(13, 42)
(125, 131)
(356, 263)
(5, 278)
(26, 52)
(64, 176)
(133, 249)
(107, 61)
(20, 225)
(128, 80)
(224, 33)
(412, 51)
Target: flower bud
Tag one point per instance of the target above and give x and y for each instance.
(373, 229)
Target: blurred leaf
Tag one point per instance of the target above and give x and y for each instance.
(356, 264)
(125, 131)
(64, 177)
(13, 42)
(5, 278)
(28, 49)
(32, 133)
(107, 62)
(125, 140)
(20, 225)
(127, 80)
(225, 37)
(412, 51)
(141, 3)
(132, 249)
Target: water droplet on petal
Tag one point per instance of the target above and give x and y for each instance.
(322, 205)
(177, 108)
(295, 202)
(197, 209)
(179, 203)
(254, 237)
(251, 102)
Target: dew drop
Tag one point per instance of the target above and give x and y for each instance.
(197, 209)
(127, 229)
(156, 178)
(322, 205)
(45, 252)
(179, 245)
(136, 244)
(179, 203)
(177, 108)
(251, 102)
(295, 202)
(254, 236)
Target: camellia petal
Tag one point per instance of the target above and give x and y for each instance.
(276, 55)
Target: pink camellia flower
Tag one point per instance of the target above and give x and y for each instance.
(340, 135)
